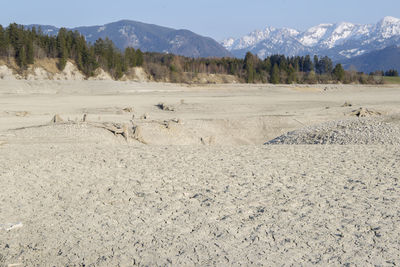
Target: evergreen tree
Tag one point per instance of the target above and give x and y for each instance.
(392, 73)
(292, 78)
(249, 67)
(232, 69)
(21, 58)
(267, 65)
(275, 74)
(316, 64)
(338, 72)
(307, 65)
(325, 65)
(29, 52)
(139, 58)
(62, 48)
(3, 42)
(130, 56)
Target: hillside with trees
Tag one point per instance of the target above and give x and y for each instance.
(27, 45)
(149, 38)
(384, 59)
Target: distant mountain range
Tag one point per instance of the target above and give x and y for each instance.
(384, 59)
(149, 37)
(339, 41)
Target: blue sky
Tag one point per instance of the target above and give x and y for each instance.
(214, 18)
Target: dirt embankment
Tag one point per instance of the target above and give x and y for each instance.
(46, 69)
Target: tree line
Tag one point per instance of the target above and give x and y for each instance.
(388, 73)
(25, 45)
(273, 69)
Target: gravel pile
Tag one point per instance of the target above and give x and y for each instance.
(355, 131)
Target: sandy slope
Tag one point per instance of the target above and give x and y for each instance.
(73, 194)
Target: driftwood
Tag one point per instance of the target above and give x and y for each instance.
(126, 131)
(165, 107)
(363, 112)
(115, 128)
(56, 119)
(167, 123)
(128, 109)
(137, 134)
(209, 140)
(21, 113)
(347, 104)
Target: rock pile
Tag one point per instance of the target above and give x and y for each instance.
(355, 131)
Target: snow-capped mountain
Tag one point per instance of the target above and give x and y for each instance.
(339, 41)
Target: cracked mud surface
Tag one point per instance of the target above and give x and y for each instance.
(103, 205)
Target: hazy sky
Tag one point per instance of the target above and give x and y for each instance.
(214, 18)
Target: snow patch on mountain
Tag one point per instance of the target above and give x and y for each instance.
(178, 41)
(313, 35)
(129, 34)
(340, 32)
(352, 52)
(274, 35)
(228, 42)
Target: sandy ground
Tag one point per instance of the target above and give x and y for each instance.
(224, 114)
(203, 190)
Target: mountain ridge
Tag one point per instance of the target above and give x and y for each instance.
(384, 59)
(339, 41)
(148, 38)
